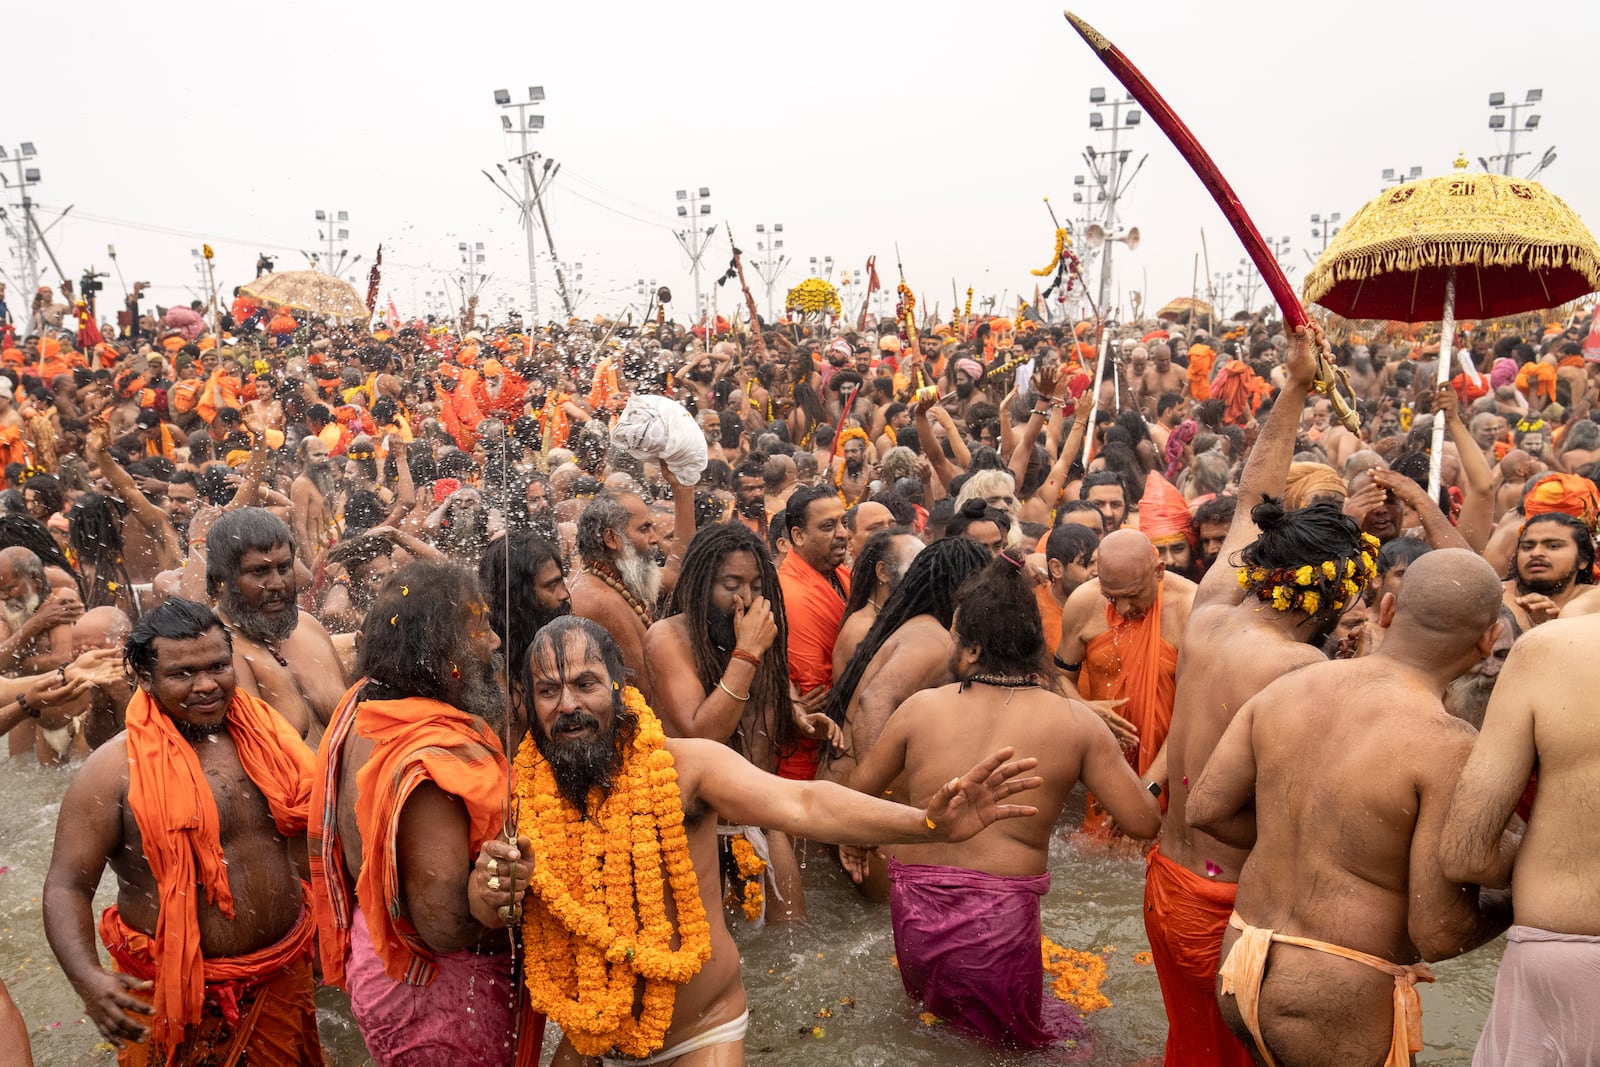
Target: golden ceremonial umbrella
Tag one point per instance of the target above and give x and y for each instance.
(1184, 309)
(1474, 245)
(308, 291)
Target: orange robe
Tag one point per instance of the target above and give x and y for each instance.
(164, 448)
(814, 609)
(184, 395)
(1049, 616)
(1131, 660)
(177, 817)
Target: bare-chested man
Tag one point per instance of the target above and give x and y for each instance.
(1552, 566)
(582, 714)
(1161, 376)
(1540, 717)
(281, 654)
(314, 493)
(1351, 766)
(1120, 636)
(1240, 637)
(201, 899)
(619, 582)
(985, 979)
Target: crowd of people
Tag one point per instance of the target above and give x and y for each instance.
(377, 661)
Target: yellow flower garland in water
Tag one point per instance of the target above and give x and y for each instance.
(596, 920)
(751, 868)
(1075, 976)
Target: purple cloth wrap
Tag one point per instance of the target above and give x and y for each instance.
(968, 948)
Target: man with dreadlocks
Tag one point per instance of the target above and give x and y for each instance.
(250, 574)
(906, 650)
(598, 777)
(966, 917)
(1248, 626)
(409, 782)
(523, 598)
(720, 622)
(851, 474)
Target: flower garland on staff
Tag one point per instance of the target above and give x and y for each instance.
(1063, 265)
(597, 922)
(1334, 582)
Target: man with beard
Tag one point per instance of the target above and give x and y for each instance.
(198, 807)
(1212, 520)
(850, 474)
(1069, 554)
(412, 776)
(38, 622)
(620, 580)
(1554, 562)
(963, 379)
(966, 917)
(749, 493)
(314, 493)
(1337, 777)
(250, 574)
(533, 593)
(598, 750)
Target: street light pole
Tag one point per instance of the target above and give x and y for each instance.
(25, 243)
(692, 204)
(1497, 122)
(1327, 229)
(770, 261)
(1399, 176)
(527, 125)
(329, 235)
(1108, 174)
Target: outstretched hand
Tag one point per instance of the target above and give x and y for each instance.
(964, 806)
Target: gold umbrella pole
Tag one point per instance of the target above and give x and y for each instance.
(1447, 345)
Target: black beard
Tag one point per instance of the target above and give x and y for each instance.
(580, 767)
(1547, 587)
(964, 389)
(200, 731)
(719, 628)
(254, 624)
(754, 509)
(853, 467)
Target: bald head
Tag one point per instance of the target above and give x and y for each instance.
(1130, 573)
(21, 563)
(104, 627)
(1447, 599)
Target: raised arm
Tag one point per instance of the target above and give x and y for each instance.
(943, 469)
(1267, 469)
(1477, 510)
(1044, 389)
(150, 517)
(1437, 529)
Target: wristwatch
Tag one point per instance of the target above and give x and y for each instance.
(1155, 789)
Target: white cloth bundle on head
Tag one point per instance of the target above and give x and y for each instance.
(653, 427)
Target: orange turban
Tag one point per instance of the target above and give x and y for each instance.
(1308, 480)
(1163, 513)
(1241, 388)
(1568, 493)
(1542, 379)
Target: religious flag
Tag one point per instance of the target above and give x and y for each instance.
(88, 332)
(394, 314)
(372, 281)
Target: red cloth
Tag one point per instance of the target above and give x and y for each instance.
(1201, 359)
(1184, 918)
(177, 816)
(1241, 389)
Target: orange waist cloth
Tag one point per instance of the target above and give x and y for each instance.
(263, 1000)
(177, 816)
(418, 741)
(332, 888)
(1184, 918)
(1246, 966)
(814, 609)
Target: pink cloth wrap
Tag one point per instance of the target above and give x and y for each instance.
(1544, 1001)
(968, 948)
(464, 1018)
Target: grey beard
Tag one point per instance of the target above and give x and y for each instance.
(21, 610)
(254, 624)
(1469, 697)
(640, 574)
(482, 695)
(321, 475)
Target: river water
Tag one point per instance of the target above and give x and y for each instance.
(840, 961)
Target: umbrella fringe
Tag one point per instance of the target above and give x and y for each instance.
(1468, 250)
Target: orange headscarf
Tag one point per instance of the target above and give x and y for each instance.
(1163, 513)
(1241, 388)
(1569, 493)
(1536, 380)
(177, 817)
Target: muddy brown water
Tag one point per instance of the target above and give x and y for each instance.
(792, 972)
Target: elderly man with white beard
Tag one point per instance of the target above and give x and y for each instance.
(38, 623)
(619, 583)
(313, 492)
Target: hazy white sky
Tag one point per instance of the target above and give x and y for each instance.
(935, 124)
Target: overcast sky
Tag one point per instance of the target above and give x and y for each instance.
(936, 125)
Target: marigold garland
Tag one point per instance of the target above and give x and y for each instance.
(1075, 976)
(814, 296)
(751, 867)
(1336, 582)
(596, 920)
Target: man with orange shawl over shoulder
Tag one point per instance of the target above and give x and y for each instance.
(1119, 646)
(199, 808)
(410, 781)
